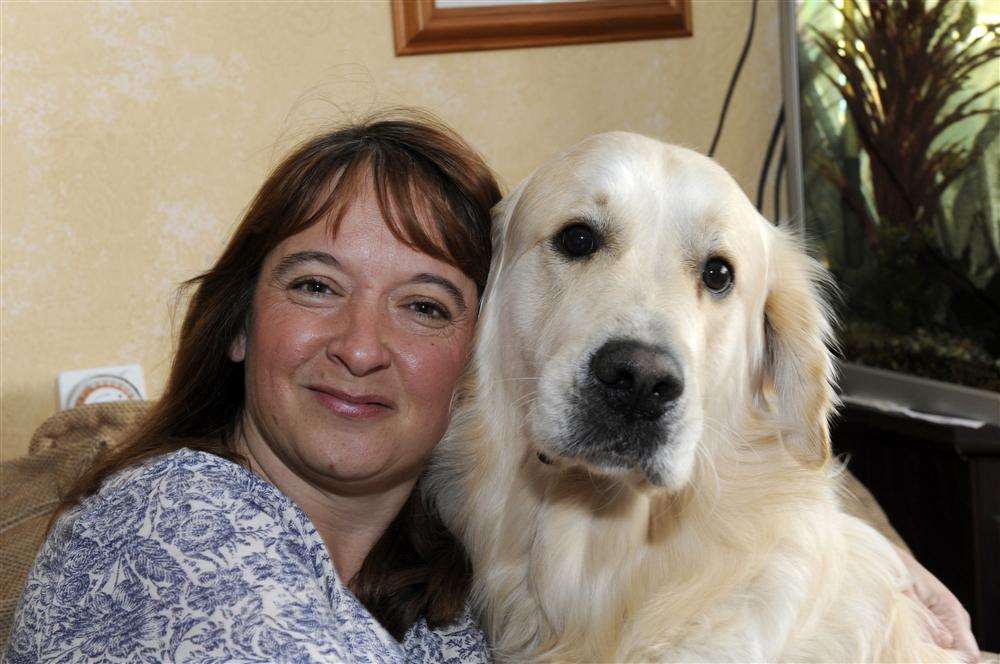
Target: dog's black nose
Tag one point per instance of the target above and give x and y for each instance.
(637, 380)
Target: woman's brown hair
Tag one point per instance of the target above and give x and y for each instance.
(416, 165)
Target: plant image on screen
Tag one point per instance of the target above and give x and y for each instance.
(901, 137)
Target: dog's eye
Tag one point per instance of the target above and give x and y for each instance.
(577, 241)
(717, 275)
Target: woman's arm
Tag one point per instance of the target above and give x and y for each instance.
(954, 629)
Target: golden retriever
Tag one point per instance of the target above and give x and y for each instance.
(639, 461)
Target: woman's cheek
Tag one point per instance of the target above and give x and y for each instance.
(286, 338)
(431, 369)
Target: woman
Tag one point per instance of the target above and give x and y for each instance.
(313, 377)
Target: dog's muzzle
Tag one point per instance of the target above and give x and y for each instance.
(625, 406)
(635, 381)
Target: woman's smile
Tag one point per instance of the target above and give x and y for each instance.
(352, 406)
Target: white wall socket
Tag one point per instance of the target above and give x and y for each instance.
(86, 386)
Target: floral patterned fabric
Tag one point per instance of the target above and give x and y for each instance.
(189, 557)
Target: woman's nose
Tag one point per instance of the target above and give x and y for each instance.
(359, 343)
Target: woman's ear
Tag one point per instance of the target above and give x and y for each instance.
(797, 373)
(238, 348)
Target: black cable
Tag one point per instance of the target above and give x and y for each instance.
(768, 155)
(777, 182)
(732, 81)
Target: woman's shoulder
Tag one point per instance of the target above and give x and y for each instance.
(180, 508)
(183, 556)
(187, 475)
(182, 514)
(182, 485)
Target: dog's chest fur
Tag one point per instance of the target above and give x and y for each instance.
(577, 569)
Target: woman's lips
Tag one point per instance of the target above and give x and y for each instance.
(353, 406)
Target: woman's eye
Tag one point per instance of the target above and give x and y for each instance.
(312, 287)
(430, 310)
(717, 275)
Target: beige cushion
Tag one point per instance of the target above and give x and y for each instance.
(30, 487)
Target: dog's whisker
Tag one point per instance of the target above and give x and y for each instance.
(724, 429)
(732, 436)
(737, 438)
(519, 379)
(527, 398)
(710, 471)
(619, 490)
(529, 393)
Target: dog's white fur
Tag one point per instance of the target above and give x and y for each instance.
(730, 545)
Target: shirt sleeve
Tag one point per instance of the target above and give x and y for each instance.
(179, 563)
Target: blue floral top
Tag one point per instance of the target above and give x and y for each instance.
(190, 557)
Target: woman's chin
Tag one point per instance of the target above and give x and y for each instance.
(357, 472)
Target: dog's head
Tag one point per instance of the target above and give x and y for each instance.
(639, 302)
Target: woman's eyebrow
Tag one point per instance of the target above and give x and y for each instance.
(299, 257)
(427, 278)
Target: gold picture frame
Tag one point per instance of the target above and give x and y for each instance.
(430, 26)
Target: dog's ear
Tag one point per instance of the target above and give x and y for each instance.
(502, 216)
(797, 372)
(503, 213)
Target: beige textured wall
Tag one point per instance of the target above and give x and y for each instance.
(134, 135)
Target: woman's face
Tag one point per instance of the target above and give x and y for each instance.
(354, 347)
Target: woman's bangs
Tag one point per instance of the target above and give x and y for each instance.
(330, 200)
(421, 205)
(419, 212)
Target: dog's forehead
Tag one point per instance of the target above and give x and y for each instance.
(621, 170)
(624, 177)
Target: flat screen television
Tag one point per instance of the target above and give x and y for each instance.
(892, 151)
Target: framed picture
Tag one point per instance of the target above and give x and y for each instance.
(439, 26)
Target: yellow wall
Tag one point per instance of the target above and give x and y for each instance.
(134, 135)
